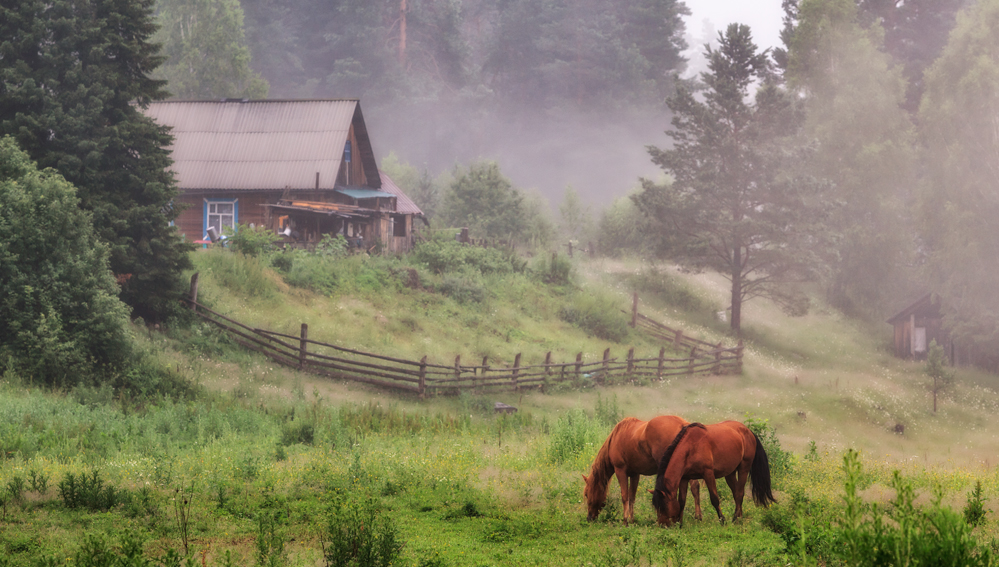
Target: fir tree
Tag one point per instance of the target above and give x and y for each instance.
(72, 76)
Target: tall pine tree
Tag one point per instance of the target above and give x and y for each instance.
(72, 75)
(735, 204)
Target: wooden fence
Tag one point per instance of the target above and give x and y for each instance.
(425, 378)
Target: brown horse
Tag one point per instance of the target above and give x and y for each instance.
(632, 449)
(727, 449)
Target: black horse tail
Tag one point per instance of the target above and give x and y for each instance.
(759, 475)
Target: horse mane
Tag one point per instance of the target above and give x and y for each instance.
(658, 495)
(602, 470)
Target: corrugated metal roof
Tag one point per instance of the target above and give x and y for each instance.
(254, 145)
(362, 193)
(403, 204)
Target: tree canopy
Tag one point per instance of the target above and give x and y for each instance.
(734, 203)
(71, 77)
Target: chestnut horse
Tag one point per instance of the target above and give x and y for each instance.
(727, 449)
(633, 448)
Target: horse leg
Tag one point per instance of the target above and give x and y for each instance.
(709, 481)
(681, 497)
(738, 487)
(632, 493)
(622, 479)
(695, 491)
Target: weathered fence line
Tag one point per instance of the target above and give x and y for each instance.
(676, 337)
(425, 378)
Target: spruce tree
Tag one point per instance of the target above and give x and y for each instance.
(73, 75)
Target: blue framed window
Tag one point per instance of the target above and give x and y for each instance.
(219, 214)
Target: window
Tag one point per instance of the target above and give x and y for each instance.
(221, 214)
(398, 225)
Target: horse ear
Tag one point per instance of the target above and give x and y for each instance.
(584, 478)
(652, 492)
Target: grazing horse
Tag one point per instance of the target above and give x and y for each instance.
(727, 449)
(633, 448)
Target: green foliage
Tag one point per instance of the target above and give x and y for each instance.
(597, 314)
(270, 538)
(736, 203)
(912, 536)
(485, 201)
(333, 246)
(671, 290)
(89, 491)
(206, 52)
(572, 433)
(623, 229)
(557, 270)
(974, 508)
(443, 255)
(252, 241)
(311, 271)
(936, 362)
(359, 534)
(462, 289)
(242, 274)
(781, 461)
(61, 322)
(81, 81)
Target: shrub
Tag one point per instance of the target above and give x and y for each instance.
(245, 275)
(61, 321)
(314, 273)
(912, 536)
(462, 289)
(570, 436)
(974, 509)
(556, 270)
(358, 535)
(443, 255)
(780, 460)
(596, 314)
(251, 240)
(90, 492)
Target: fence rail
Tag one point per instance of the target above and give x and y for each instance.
(425, 378)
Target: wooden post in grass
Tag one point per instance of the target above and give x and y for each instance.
(717, 367)
(659, 369)
(634, 310)
(631, 361)
(457, 372)
(485, 368)
(678, 338)
(303, 346)
(693, 357)
(423, 377)
(738, 357)
(606, 364)
(548, 361)
(579, 365)
(516, 371)
(194, 292)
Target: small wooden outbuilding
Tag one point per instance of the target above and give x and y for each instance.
(917, 325)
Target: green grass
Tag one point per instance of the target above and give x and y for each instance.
(266, 451)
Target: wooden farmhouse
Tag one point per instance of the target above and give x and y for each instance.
(302, 168)
(916, 326)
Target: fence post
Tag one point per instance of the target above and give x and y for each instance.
(303, 346)
(194, 292)
(516, 370)
(631, 361)
(485, 368)
(423, 377)
(678, 338)
(592, 250)
(606, 364)
(634, 310)
(738, 357)
(457, 371)
(717, 367)
(570, 249)
(548, 361)
(659, 369)
(579, 366)
(693, 357)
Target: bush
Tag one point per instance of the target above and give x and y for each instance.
(313, 272)
(555, 271)
(358, 535)
(780, 460)
(245, 275)
(462, 289)
(90, 492)
(571, 435)
(61, 322)
(911, 536)
(252, 240)
(596, 314)
(444, 255)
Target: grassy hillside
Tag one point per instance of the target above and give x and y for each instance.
(277, 465)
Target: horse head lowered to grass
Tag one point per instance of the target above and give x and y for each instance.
(633, 448)
(727, 449)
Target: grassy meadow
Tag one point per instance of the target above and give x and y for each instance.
(264, 465)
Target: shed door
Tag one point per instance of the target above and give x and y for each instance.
(919, 339)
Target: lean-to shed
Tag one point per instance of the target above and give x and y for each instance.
(917, 325)
(302, 168)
